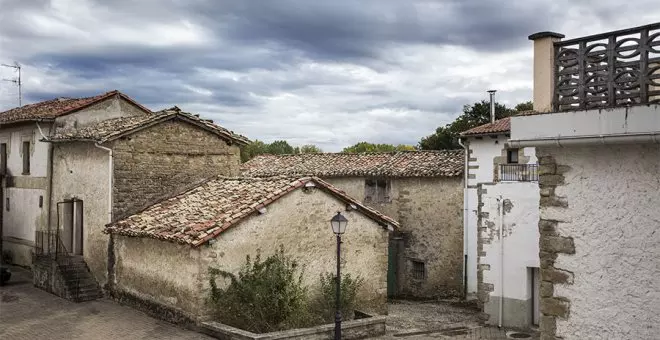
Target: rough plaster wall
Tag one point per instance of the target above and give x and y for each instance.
(430, 213)
(165, 158)
(300, 222)
(81, 170)
(113, 107)
(485, 154)
(25, 216)
(613, 218)
(158, 271)
(520, 247)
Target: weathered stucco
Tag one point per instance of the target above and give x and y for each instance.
(176, 276)
(429, 211)
(81, 170)
(113, 107)
(505, 264)
(161, 272)
(165, 158)
(600, 245)
(300, 223)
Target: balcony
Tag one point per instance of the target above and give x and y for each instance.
(607, 70)
(518, 173)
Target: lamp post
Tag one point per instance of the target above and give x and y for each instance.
(338, 223)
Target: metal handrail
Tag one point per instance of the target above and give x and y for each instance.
(518, 173)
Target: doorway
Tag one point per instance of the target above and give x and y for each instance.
(71, 218)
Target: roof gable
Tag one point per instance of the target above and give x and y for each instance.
(446, 163)
(500, 126)
(51, 109)
(111, 129)
(204, 212)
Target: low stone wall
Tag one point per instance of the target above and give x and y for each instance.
(354, 329)
(46, 276)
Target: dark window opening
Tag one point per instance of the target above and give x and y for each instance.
(3, 158)
(512, 156)
(26, 158)
(419, 270)
(41, 201)
(7, 203)
(376, 191)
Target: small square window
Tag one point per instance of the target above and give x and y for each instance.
(512, 156)
(376, 191)
(419, 270)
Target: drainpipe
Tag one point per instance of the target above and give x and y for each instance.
(559, 141)
(465, 218)
(500, 208)
(492, 105)
(110, 167)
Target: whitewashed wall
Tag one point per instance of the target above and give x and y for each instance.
(483, 153)
(613, 215)
(508, 259)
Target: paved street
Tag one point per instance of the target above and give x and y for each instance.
(29, 313)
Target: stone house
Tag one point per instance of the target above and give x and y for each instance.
(596, 138)
(502, 212)
(420, 189)
(27, 161)
(161, 255)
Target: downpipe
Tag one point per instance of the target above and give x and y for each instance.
(465, 219)
(500, 212)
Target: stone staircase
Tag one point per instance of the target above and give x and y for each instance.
(79, 283)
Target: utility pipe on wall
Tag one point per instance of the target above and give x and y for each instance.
(492, 105)
(500, 210)
(466, 221)
(559, 141)
(110, 167)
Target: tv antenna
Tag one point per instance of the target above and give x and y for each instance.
(16, 81)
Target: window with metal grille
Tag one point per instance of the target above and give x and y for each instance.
(376, 191)
(419, 270)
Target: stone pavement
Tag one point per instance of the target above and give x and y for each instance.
(29, 313)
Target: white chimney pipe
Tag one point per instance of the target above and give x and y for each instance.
(492, 105)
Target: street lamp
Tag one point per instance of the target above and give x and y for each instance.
(338, 223)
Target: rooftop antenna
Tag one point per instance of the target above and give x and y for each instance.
(16, 81)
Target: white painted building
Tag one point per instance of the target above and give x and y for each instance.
(26, 161)
(598, 144)
(501, 209)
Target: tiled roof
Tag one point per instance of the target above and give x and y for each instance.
(54, 108)
(207, 210)
(388, 164)
(110, 129)
(499, 126)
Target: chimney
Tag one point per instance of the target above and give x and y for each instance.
(544, 69)
(492, 105)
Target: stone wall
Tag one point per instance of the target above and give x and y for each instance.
(300, 223)
(430, 213)
(166, 158)
(599, 246)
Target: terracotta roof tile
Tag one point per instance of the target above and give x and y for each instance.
(207, 210)
(112, 128)
(388, 164)
(51, 109)
(499, 126)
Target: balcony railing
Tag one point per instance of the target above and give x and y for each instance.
(519, 173)
(607, 70)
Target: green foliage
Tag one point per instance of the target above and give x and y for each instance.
(370, 147)
(446, 137)
(324, 303)
(265, 296)
(308, 148)
(278, 147)
(253, 149)
(525, 106)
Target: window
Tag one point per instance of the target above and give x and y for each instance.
(3, 158)
(26, 158)
(376, 191)
(419, 270)
(512, 156)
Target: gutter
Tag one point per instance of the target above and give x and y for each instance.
(110, 167)
(559, 141)
(465, 218)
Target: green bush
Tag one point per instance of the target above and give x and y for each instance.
(324, 304)
(265, 296)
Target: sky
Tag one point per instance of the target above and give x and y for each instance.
(329, 73)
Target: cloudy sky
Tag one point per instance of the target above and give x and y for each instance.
(330, 73)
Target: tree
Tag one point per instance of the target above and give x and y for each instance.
(525, 106)
(279, 147)
(309, 148)
(253, 149)
(371, 147)
(446, 137)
